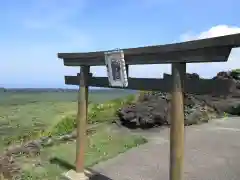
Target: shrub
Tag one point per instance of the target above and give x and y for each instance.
(235, 73)
(97, 113)
(66, 125)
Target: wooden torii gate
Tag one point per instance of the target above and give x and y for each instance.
(206, 50)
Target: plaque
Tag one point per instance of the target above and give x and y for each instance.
(116, 68)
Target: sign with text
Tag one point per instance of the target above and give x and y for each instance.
(116, 68)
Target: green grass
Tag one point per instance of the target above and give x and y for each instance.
(102, 145)
(21, 98)
(24, 121)
(97, 113)
(26, 115)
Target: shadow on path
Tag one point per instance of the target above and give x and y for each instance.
(93, 175)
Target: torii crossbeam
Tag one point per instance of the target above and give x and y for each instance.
(206, 50)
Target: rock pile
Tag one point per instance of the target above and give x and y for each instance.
(153, 108)
(9, 169)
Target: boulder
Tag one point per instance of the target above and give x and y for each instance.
(156, 112)
(145, 115)
(229, 104)
(153, 108)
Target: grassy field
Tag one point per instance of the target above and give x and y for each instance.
(23, 115)
(26, 115)
(53, 161)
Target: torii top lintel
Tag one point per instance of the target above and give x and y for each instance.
(215, 49)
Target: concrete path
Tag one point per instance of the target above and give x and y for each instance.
(212, 152)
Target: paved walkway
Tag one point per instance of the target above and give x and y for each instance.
(212, 152)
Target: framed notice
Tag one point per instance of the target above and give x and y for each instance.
(116, 68)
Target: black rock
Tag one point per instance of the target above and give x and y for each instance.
(153, 108)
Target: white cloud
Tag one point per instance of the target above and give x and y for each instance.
(38, 63)
(206, 70)
(219, 30)
(210, 69)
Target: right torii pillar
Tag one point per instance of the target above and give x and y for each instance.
(177, 122)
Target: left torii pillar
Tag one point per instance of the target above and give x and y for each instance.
(79, 174)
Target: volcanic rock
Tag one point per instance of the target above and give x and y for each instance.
(153, 108)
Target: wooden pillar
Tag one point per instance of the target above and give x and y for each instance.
(177, 122)
(82, 118)
(127, 70)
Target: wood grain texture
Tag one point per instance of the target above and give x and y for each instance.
(82, 118)
(177, 122)
(193, 86)
(206, 50)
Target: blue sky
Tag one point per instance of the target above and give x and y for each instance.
(33, 32)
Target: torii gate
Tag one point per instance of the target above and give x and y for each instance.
(206, 50)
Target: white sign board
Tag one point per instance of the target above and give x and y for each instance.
(116, 68)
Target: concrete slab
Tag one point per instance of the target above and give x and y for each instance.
(73, 175)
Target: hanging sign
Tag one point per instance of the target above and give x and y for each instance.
(116, 68)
